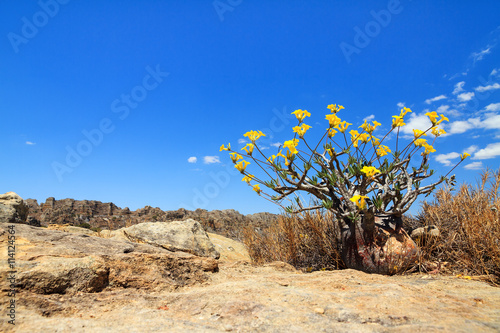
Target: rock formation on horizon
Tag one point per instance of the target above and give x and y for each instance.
(96, 214)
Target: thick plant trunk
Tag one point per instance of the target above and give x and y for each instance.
(378, 244)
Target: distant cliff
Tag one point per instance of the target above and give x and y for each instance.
(96, 214)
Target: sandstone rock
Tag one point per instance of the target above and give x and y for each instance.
(228, 223)
(430, 231)
(247, 298)
(187, 236)
(230, 250)
(12, 208)
(52, 261)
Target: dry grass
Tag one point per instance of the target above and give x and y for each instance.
(470, 229)
(309, 241)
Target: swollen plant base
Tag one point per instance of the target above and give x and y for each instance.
(382, 248)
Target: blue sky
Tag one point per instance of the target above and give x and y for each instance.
(129, 101)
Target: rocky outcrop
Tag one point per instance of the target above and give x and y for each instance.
(186, 236)
(272, 298)
(12, 208)
(98, 215)
(53, 261)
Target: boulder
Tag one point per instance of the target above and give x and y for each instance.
(12, 208)
(430, 231)
(186, 236)
(230, 250)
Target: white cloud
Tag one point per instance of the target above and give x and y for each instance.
(211, 159)
(445, 158)
(459, 87)
(464, 97)
(474, 166)
(369, 118)
(492, 121)
(493, 86)
(494, 107)
(401, 105)
(446, 110)
(276, 144)
(434, 99)
(471, 150)
(30, 143)
(458, 127)
(241, 141)
(477, 56)
(491, 151)
(494, 71)
(416, 121)
(192, 159)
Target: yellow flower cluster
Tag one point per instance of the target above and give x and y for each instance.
(301, 130)
(292, 144)
(301, 114)
(334, 108)
(337, 125)
(253, 135)
(370, 171)
(382, 150)
(249, 148)
(398, 120)
(369, 128)
(359, 200)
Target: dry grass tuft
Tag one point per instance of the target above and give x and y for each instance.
(309, 241)
(470, 229)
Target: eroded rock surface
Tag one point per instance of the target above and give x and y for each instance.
(150, 289)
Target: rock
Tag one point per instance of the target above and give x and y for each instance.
(248, 298)
(53, 261)
(187, 236)
(12, 208)
(230, 250)
(228, 223)
(430, 231)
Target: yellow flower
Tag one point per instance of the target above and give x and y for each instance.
(256, 188)
(375, 141)
(248, 178)
(354, 138)
(301, 130)
(420, 142)
(334, 108)
(397, 121)
(418, 133)
(382, 151)
(235, 157)
(342, 127)
(437, 131)
(364, 137)
(273, 157)
(301, 114)
(359, 200)
(333, 120)
(428, 149)
(464, 156)
(224, 148)
(404, 111)
(330, 151)
(370, 127)
(442, 119)
(370, 171)
(432, 117)
(248, 148)
(291, 144)
(331, 132)
(253, 135)
(241, 166)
